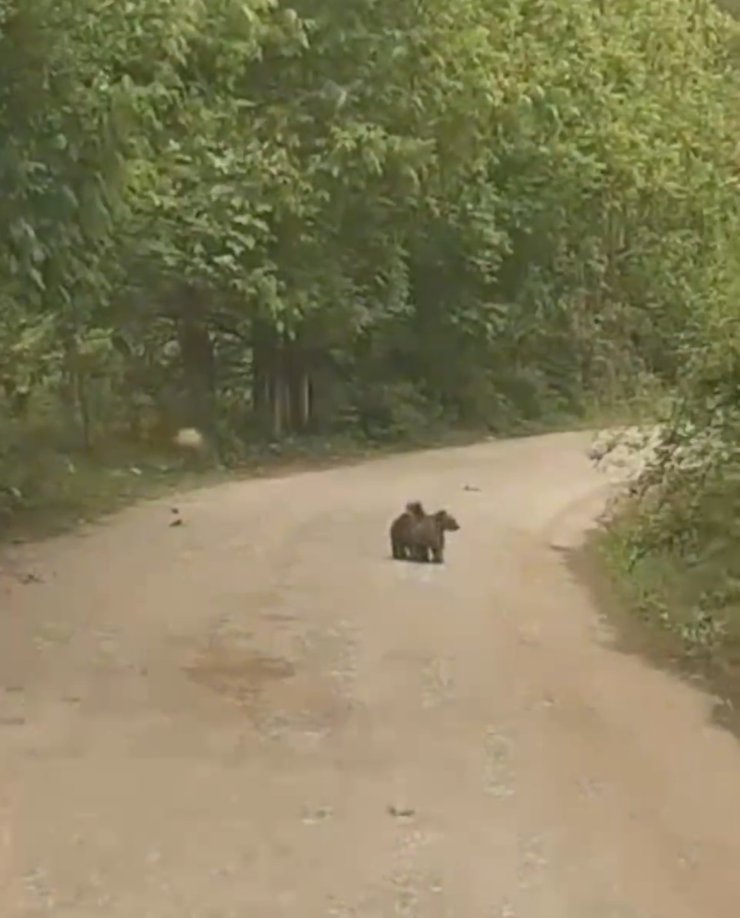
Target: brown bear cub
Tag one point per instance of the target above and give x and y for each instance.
(418, 536)
(428, 536)
(401, 530)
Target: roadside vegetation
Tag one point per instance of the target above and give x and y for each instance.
(671, 545)
(348, 225)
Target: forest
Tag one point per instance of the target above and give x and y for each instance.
(372, 220)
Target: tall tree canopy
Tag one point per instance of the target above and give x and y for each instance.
(362, 214)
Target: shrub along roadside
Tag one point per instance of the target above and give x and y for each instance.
(670, 545)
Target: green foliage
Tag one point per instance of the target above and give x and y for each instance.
(680, 537)
(362, 216)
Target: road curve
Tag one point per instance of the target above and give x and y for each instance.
(258, 714)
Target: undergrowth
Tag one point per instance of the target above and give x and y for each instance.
(673, 545)
(59, 488)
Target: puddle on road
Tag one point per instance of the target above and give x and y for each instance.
(282, 702)
(282, 618)
(298, 694)
(237, 675)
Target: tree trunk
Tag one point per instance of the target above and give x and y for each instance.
(83, 408)
(282, 396)
(300, 387)
(76, 386)
(198, 363)
(277, 393)
(263, 355)
(305, 401)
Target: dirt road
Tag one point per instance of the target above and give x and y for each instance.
(258, 714)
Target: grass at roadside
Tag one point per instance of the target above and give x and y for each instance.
(71, 489)
(47, 487)
(61, 489)
(652, 603)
